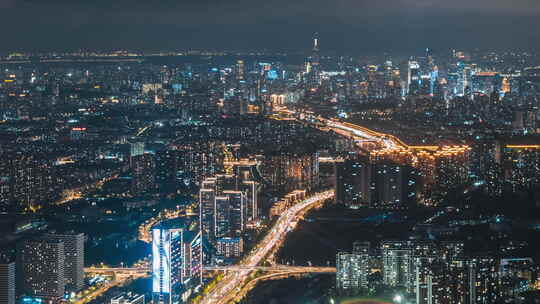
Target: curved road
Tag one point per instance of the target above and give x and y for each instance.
(232, 283)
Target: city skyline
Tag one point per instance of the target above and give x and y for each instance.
(204, 173)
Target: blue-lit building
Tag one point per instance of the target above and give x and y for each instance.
(176, 262)
(413, 78)
(165, 265)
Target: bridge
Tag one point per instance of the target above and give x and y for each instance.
(276, 268)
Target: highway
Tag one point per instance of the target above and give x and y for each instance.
(275, 268)
(143, 270)
(355, 132)
(229, 287)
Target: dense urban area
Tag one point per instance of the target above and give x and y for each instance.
(211, 177)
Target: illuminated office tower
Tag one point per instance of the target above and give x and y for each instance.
(315, 62)
(373, 91)
(177, 255)
(166, 265)
(413, 79)
(433, 81)
(467, 74)
(430, 60)
(40, 269)
(240, 69)
(7, 283)
(313, 65)
(464, 73)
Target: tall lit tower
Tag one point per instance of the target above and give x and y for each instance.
(413, 78)
(314, 63)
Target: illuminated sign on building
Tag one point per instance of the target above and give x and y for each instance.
(161, 261)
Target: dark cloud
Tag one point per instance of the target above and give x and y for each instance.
(353, 25)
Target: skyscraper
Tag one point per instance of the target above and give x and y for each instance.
(240, 68)
(73, 258)
(7, 283)
(166, 261)
(228, 201)
(207, 197)
(177, 255)
(413, 79)
(313, 65)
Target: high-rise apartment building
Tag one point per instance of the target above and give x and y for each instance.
(353, 182)
(360, 182)
(143, 171)
(40, 268)
(7, 283)
(227, 202)
(464, 280)
(353, 269)
(73, 258)
(397, 264)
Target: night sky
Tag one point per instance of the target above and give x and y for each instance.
(344, 25)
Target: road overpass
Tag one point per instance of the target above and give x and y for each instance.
(275, 268)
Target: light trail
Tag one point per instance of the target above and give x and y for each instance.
(230, 285)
